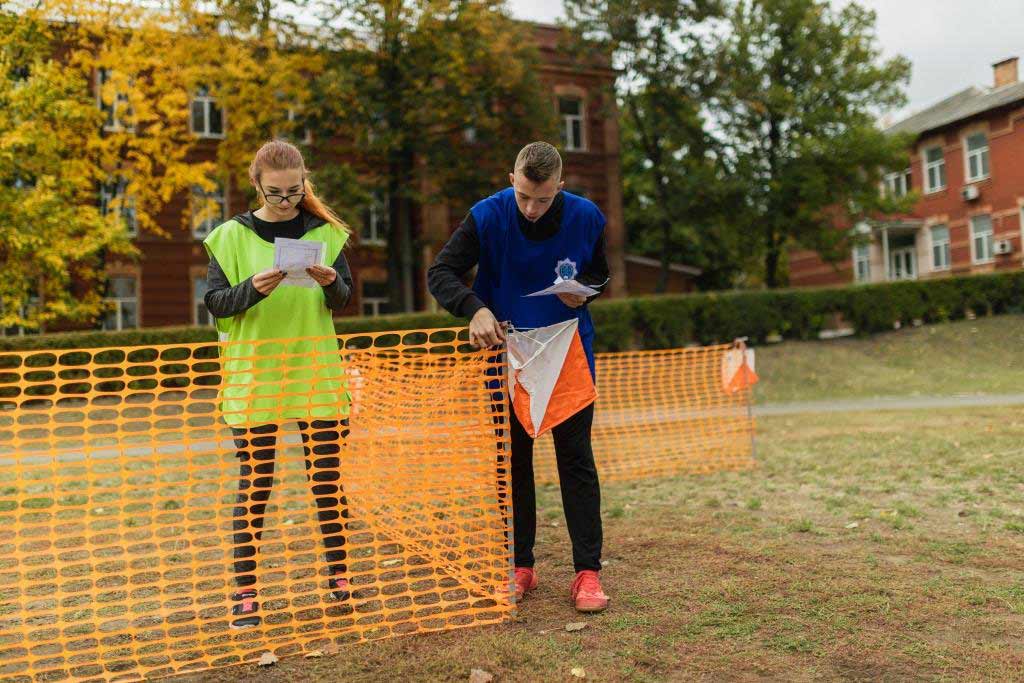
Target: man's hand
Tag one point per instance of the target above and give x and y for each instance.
(324, 275)
(267, 281)
(484, 330)
(572, 300)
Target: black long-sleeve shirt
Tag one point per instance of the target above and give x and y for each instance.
(462, 253)
(225, 301)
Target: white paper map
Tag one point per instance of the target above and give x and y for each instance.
(294, 256)
(566, 287)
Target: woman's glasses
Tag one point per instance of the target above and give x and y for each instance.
(276, 199)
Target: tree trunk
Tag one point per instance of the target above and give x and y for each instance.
(771, 264)
(666, 256)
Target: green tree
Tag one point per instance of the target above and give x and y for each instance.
(673, 189)
(425, 101)
(801, 86)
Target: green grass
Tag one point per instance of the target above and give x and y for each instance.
(860, 549)
(977, 357)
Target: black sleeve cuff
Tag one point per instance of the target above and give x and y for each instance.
(470, 305)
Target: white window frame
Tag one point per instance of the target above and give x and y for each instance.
(974, 238)
(307, 134)
(568, 143)
(374, 302)
(209, 102)
(201, 229)
(198, 302)
(127, 208)
(897, 184)
(19, 330)
(119, 305)
(862, 255)
(116, 125)
(378, 216)
(939, 166)
(982, 156)
(947, 243)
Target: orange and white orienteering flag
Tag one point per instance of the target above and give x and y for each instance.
(738, 368)
(549, 378)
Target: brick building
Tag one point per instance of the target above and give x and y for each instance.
(967, 168)
(166, 286)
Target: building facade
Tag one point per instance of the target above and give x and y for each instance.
(167, 284)
(967, 170)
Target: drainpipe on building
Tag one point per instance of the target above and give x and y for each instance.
(885, 254)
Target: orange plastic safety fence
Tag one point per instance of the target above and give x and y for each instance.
(661, 413)
(357, 490)
(137, 530)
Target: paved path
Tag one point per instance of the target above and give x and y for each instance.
(890, 403)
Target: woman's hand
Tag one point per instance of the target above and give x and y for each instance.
(324, 275)
(267, 281)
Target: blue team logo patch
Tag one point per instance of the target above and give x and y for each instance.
(566, 270)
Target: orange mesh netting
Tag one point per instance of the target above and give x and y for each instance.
(661, 413)
(133, 521)
(118, 500)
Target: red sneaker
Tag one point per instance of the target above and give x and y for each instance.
(339, 587)
(587, 594)
(245, 610)
(526, 581)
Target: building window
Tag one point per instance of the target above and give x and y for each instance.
(897, 184)
(934, 169)
(116, 108)
(375, 221)
(208, 209)
(207, 118)
(123, 294)
(25, 311)
(374, 299)
(981, 239)
(977, 157)
(940, 247)
(294, 124)
(862, 263)
(114, 197)
(200, 313)
(578, 191)
(570, 109)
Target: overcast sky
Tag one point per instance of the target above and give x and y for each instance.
(951, 43)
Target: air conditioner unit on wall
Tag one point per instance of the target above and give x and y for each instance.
(1003, 247)
(970, 193)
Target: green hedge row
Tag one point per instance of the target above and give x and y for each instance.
(669, 322)
(659, 322)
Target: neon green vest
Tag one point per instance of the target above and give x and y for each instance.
(260, 386)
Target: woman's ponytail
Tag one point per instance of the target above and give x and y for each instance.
(315, 206)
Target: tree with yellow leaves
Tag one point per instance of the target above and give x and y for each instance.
(96, 136)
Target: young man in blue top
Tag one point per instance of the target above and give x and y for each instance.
(520, 240)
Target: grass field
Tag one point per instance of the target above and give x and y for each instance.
(865, 547)
(979, 357)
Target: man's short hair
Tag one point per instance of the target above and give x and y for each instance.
(539, 161)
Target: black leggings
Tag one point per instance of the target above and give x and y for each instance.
(323, 471)
(581, 490)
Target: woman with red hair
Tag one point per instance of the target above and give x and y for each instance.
(298, 378)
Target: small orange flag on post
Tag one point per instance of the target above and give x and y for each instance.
(738, 368)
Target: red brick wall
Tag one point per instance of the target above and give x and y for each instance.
(1001, 196)
(643, 279)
